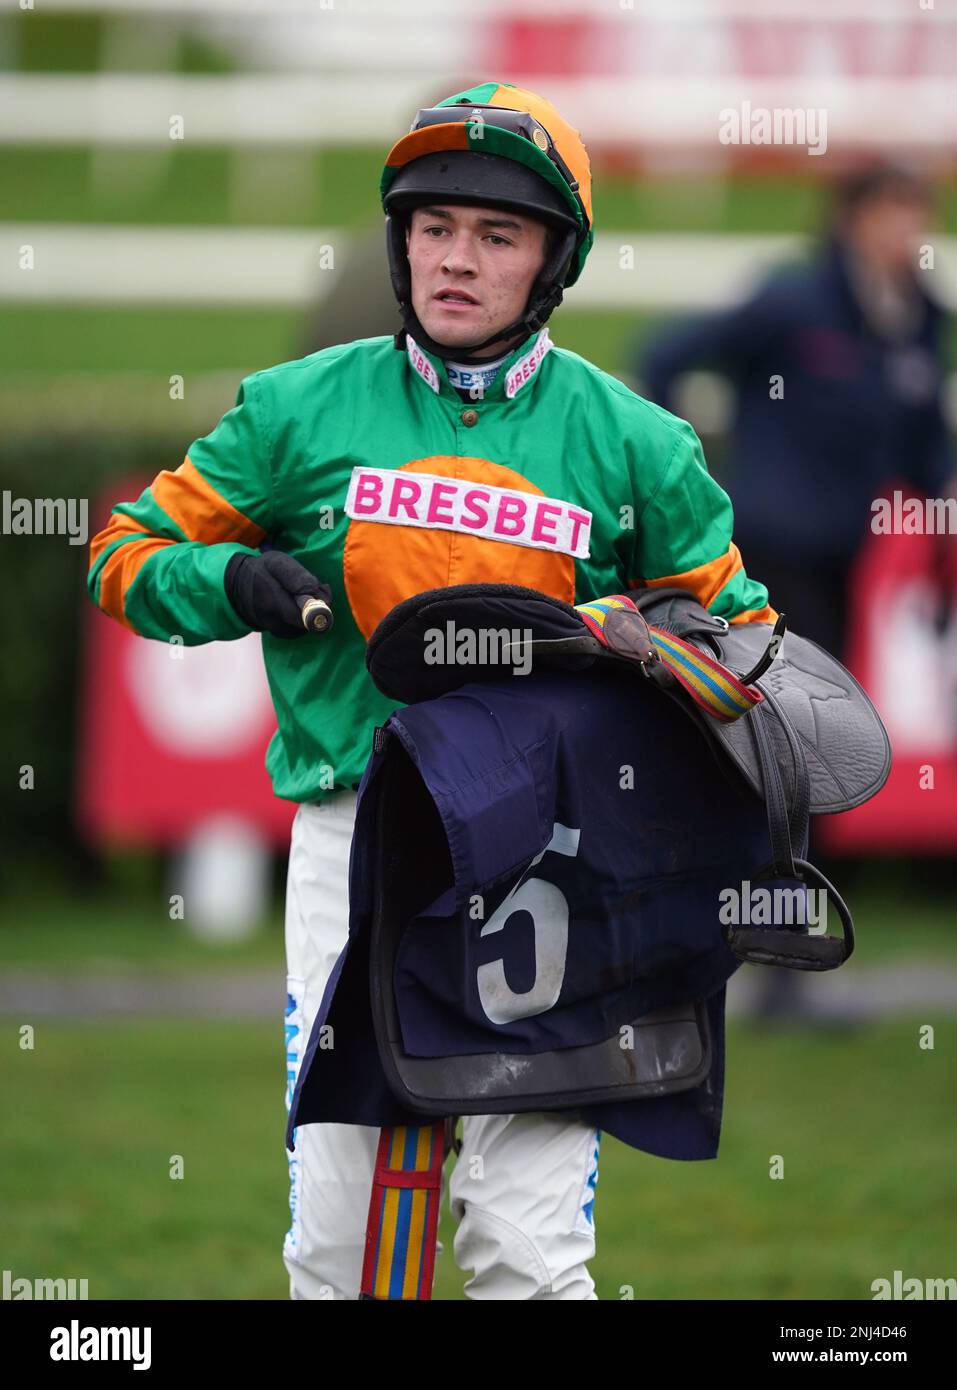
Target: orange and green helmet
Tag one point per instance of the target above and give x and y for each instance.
(494, 145)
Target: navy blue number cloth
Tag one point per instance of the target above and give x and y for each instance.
(585, 832)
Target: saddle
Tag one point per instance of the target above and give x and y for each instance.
(784, 717)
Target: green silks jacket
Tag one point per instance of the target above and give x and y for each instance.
(364, 463)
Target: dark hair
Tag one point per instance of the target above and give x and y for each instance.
(877, 181)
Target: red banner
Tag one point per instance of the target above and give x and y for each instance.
(904, 652)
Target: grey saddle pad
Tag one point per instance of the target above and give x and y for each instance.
(816, 712)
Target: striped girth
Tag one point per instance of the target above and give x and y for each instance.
(717, 690)
(404, 1213)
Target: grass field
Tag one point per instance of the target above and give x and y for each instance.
(864, 1121)
(45, 339)
(120, 931)
(865, 1124)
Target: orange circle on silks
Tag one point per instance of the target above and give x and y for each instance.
(384, 564)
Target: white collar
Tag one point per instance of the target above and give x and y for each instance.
(518, 375)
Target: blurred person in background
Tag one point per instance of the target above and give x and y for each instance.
(856, 341)
(488, 219)
(361, 302)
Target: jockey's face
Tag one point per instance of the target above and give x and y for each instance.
(472, 270)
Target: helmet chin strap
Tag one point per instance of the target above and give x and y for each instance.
(510, 337)
(544, 296)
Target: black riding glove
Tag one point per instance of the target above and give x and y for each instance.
(263, 589)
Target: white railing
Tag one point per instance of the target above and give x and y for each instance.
(95, 264)
(318, 109)
(680, 11)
